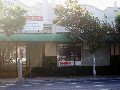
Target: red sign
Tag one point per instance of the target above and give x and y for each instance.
(65, 63)
(35, 18)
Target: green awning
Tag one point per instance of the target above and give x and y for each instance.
(35, 37)
(50, 37)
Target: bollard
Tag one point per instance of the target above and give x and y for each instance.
(19, 69)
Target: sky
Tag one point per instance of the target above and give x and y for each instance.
(100, 4)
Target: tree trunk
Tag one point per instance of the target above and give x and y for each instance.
(94, 69)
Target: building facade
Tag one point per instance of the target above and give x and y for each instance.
(45, 51)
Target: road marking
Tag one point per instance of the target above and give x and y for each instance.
(36, 83)
(49, 84)
(97, 82)
(13, 84)
(105, 89)
(7, 84)
(78, 86)
(3, 86)
(26, 85)
(10, 84)
(99, 85)
(73, 83)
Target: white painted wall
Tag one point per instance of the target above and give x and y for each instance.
(50, 49)
(102, 57)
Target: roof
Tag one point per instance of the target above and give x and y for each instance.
(35, 37)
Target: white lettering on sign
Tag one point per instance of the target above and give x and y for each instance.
(69, 63)
(35, 18)
(34, 23)
(65, 63)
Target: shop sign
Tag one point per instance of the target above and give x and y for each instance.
(69, 63)
(34, 23)
(68, 55)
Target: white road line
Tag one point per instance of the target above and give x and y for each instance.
(105, 89)
(97, 82)
(3, 86)
(49, 84)
(26, 85)
(73, 83)
(78, 86)
(99, 85)
(36, 83)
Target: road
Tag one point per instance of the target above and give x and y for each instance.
(90, 84)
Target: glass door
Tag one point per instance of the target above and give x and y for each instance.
(35, 58)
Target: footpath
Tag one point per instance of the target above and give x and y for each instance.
(54, 79)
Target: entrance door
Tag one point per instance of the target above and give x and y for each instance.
(50, 65)
(115, 59)
(35, 57)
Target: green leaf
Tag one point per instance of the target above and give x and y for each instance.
(12, 19)
(82, 25)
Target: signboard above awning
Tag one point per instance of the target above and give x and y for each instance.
(34, 23)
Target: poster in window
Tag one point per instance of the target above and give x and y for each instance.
(67, 55)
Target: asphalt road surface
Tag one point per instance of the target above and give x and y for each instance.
(90, 84)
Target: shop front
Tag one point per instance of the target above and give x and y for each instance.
(51, 55)
(38, 53)
(9, 54)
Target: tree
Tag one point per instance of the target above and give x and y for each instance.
(12, 19)
(117, 20)
(82, 25)
(0, 5)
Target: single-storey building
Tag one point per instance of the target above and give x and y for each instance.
(46, 51)
(55, 55)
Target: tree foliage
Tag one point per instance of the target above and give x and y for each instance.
(0, 5)
(12, 19)
(117, 19)
(81, 24)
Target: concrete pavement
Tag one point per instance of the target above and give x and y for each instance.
(56, 79)
(62, 83)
